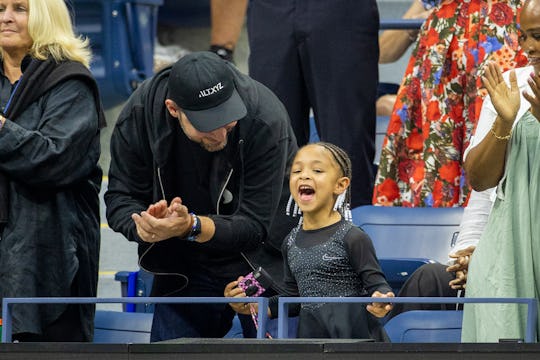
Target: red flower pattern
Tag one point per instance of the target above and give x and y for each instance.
(501, 14)
(388, 191)
(439, 102)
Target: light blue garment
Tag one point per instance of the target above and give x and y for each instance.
(506, 261)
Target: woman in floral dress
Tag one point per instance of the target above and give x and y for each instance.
(439, 101)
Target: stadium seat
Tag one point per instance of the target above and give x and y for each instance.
(119, 327)
(399, 232)
(122, 34)
(136, 284)
(425, 326)
(398, 270)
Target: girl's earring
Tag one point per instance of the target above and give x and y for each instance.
(339, 201)
(347, 213)
(343, 207)
(292, 210)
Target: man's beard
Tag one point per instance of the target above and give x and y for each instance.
(214, 147)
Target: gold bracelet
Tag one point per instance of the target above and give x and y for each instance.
(507, 137)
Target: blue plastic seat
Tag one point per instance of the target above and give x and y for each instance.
(398, 270)
(399, 232)
(119, 327)
(122, 34)
(425, 326)
(136, 284)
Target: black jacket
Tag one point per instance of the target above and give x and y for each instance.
(253, 166)
(49, 152)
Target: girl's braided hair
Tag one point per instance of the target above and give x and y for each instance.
(343, 202)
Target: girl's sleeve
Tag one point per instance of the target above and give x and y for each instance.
(290, 287)
(364, 260)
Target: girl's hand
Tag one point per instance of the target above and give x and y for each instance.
(506, 100)
(232, 290)
(380, 309)
(534, 98)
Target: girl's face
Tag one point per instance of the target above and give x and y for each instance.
(316, 180)
(14, 35)
(529, 38)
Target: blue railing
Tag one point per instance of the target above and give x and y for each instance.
(530, 331)
(532, 307)
(7, 302)
(400, 24)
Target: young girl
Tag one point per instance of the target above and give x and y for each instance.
(326, 255)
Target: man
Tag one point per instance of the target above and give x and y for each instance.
(322, 56)
(198, 168)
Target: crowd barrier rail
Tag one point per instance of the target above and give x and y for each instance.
(8, 302)
(530, 330)
(400, 24)
(532, 307)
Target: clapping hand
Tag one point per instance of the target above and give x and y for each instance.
(534, 98)
(505, 99)
(162, 221)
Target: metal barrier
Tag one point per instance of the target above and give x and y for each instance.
(532, 307)
(283, 304)
(400, 24)
(7, 302)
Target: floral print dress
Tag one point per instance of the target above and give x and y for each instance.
(439, 101)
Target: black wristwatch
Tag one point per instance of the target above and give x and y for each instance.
(222, 52)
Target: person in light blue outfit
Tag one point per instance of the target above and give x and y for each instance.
(505, 153)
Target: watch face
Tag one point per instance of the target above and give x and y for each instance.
(222, 52)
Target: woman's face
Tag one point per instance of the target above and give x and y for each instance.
(530, 33)
(14, 35)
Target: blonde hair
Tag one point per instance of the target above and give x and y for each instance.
(51, 30)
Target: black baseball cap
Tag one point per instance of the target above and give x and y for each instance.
(202, 85)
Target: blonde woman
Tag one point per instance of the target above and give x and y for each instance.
(49, 151)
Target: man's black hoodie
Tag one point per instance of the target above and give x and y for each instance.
(253, 166)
